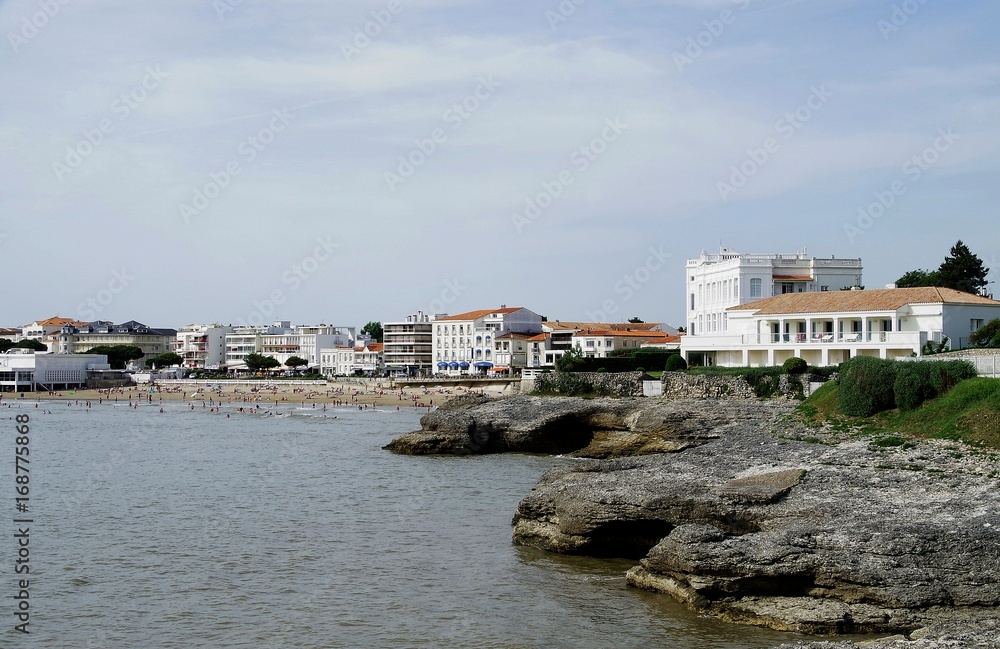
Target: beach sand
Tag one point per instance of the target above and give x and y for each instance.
(263, 394)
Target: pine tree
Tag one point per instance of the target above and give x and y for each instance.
(963, 270)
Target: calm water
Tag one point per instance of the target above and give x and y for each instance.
(186, 529)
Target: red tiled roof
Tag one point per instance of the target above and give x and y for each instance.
(651, 335)
(883, 299)
(475, 315)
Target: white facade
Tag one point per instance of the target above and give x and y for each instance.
(282, 341)
(348, 361)
(21, 371)
(464, 343)
(203, 346)
(409, 345)
(600, 343)
(832, 328)
(715, 283)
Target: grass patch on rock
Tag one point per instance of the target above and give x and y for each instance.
(969, 412)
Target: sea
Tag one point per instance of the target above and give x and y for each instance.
(188, 528)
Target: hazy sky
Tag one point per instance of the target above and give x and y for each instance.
(199, 161)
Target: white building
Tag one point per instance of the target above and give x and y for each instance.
(24, 370)
(715, 283)
(409, 345)
(464, 343)
(599, 343)
(282, 341)
(365, 359)
(829, 328)
(203, 346)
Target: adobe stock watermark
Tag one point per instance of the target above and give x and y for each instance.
(455, 116)
(580, 159)
(89, 309)
(452, 290)
(247, 151)
(33, 24)
(786, 128)
(631, 284)
(366, 34)
(121, 108)
(913, 170)
(705, 39)
(562, 12)
(293, 278)
(900, 15)
(223, 7)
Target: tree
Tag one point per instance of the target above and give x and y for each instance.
(961, 270)
(118, 355)
(30, 343)
(373, 329)
(919, 277)
(5, 344)
(636, 320)
(988, 335)
(165, 360)
(570, 361)
(682, 330)
(259, 362)
(296, 361)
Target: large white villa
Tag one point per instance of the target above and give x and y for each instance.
(827, 328)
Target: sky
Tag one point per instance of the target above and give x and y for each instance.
(341, 161)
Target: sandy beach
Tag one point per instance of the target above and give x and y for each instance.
(372, 394)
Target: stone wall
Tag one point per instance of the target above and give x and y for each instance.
(680, 385)
(609, 384)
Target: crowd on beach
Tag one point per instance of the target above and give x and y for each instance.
(264, 399)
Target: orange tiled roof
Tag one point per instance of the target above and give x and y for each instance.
(793, 278)
(659, 335)
(883, 299)
(474, 315)
(55, 321)
(613, 326)
(375, 347)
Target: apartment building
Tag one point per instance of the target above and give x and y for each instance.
(717, 282)
(408, 345)
(464, 343)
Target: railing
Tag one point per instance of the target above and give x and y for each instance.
(828, 337)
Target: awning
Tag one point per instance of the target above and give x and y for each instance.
(453, 365)
(464, 365)
(484, 364)
(499, 369)
(443, 364)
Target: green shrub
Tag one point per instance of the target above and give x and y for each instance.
(600, 369)
(764, 381)
(795, 365)
(675, 363)
(866, 386)
(912, 385)
(988, 335)
(944, 375)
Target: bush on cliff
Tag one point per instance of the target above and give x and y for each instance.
(912, 385)
(795, 365)
(866, 386)
(675, 363)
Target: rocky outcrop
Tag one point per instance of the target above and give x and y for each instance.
(786, 530)
(596, 428)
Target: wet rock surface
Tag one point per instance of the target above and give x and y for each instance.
(766, 524)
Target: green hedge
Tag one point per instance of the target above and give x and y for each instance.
(636, 363)
(675, 363)
(870, 385)
(795, 365)
(865, 386)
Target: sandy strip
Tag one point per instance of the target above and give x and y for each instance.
(370, 394)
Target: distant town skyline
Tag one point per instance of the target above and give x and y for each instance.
(219, 161)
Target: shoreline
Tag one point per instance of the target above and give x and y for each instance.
(371, 394)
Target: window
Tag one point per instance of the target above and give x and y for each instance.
(692, 301)
(756, 286)
(787, 287)
(975, 324)
(590, 343)
(824, 288)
